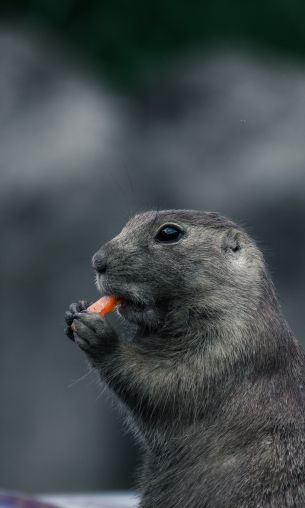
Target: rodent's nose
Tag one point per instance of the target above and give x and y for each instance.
(99, 261)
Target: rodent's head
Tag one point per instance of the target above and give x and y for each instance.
(173, 267)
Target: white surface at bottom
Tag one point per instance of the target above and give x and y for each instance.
(110, 500)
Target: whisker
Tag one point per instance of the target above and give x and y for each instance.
(81, 378)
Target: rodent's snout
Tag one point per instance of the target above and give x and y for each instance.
(99, 261)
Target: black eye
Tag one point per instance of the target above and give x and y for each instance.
(168, 234)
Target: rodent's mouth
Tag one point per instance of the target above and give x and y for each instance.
(129, 293)
(131, 309)
(130, 303)
(137, 303)
(127, 302)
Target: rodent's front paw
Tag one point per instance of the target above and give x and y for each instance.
(92, 333)
(74, 308)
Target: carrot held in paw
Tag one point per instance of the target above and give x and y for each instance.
(102, 306)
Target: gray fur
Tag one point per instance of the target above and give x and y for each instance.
(213, 382)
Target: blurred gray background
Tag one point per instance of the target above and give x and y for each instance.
(106, 112)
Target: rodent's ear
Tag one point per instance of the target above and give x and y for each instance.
(231, 241)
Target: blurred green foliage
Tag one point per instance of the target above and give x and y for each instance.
(125, 38)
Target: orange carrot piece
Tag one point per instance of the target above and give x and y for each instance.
(102, 306)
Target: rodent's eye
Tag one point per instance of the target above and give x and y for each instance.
(169, 234)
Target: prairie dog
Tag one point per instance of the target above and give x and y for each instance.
(213, 381)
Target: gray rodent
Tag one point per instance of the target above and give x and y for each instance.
(213, 381)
